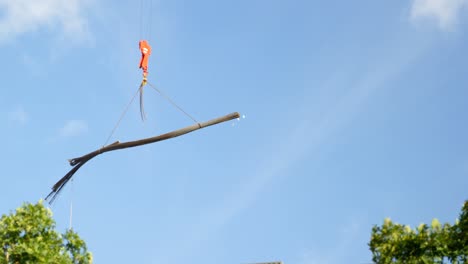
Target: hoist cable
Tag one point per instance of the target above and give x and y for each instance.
(150, 20)
(141, 19)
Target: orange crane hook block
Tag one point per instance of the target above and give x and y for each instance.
(145, 49)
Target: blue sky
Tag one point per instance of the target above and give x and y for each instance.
(354, 111)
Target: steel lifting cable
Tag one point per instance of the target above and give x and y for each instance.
(146, 17)
(71, 206)
(150, 22)
(121, 117)
(171, 101)
(142, 108)
(131, 101)
(145, 33)
(141, 19)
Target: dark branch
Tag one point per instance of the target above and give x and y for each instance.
(78, 162)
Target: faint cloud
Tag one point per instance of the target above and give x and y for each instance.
(23, 16)
(73, 128)
(444, 12)
(19, 115)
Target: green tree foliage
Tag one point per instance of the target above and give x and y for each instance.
(437, 243)
(28, 236)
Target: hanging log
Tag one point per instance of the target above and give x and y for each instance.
(78, 162)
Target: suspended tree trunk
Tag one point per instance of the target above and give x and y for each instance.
(78, 162)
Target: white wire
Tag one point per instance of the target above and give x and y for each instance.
(71, 206)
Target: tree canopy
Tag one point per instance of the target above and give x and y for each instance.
(28, 236)
(435, 243)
